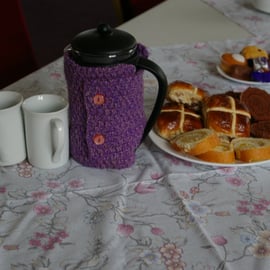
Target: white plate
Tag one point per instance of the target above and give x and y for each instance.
(223, 74)
(165, 146)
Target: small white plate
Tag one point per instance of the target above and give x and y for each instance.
(165, 146)
(223, 74)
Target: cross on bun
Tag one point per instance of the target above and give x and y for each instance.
(174, 119)
(226, 115)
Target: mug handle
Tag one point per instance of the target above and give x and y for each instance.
(144, 63)
(58, 139)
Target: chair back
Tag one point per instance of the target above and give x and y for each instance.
(132, 8)
(16, 53)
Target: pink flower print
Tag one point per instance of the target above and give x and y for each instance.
(243, 203)
(183, 194)
(62, 234)
(186, 163)
(255, 19)
(47, 242)
(206, 86)
(40, 235)
(261, 250)
(35, 242)
(235, 181)
(42, 209)
(264, 202)
(256, 209)
(259, 207)
(219, 240)
(55, 75)
(142, 188)
(172, 256)
(175, 265)
(25, 165)
(3, 189)
(25, 173)
(264, 237)
(256, 212)
(170, 252)
(39, 195)
(192, 62)
(174, 160)
(226, 170)
(53, 184)
(157, 231)
(48, 246)
(200, 45)
(243, 209)
(25, 169)
(76, 183)
(156, 176)
(194, 190)
(125, 229)
(55, 239)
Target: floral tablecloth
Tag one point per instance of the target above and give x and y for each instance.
(243, 13)
(161, 213)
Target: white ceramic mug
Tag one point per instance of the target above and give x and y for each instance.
(46, 130)
(262, 5)
(12, 142)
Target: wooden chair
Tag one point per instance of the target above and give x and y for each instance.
(118, 10)
(16, 53)
(128, 9)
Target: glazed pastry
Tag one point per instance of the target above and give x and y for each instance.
(257, 102)
(226, 116)
(185, 93)
(175, 119)
(236, 66)
(230, 60)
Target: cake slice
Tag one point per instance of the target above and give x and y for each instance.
(222, 153)
(251, 149)
(195, 142)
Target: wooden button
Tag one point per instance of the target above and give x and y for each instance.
(99, 99)
(98, 139)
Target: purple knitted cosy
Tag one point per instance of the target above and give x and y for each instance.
(106, 113)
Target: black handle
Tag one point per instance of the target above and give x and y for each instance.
(144, 63)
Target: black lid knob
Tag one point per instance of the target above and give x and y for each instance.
(103, 45)
(104, 29)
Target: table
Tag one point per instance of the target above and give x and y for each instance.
(161, 213)
(178, 21)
